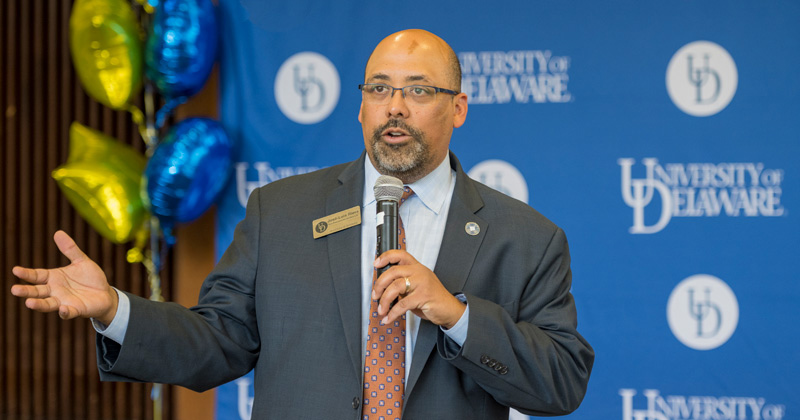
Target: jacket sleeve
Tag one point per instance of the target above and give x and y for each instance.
(203, 346)
(527, 353)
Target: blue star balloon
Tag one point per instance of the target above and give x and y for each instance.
(187, 171)
(181, 49)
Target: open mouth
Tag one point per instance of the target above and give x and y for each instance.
(394, 135)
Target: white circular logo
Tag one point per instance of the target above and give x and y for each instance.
(701, 78)
(307, 87)
(702, 312)
(502, 176)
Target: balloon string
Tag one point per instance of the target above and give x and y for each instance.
(150, 107)
(157, 398)
(148, 134)
(167, 109)
(153, 261)
(153, 264)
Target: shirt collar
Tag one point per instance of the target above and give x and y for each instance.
(432, 189)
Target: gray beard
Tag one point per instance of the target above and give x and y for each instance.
(407, 161)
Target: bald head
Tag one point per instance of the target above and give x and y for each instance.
(403, 137)
(417, 41)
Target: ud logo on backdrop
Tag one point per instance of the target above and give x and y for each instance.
(699, 190)
(307, 87)
(265, 174)
(701, 78)
(682, 407)
(244, 396)
(501, 176)
(525, 76)
(702, 312)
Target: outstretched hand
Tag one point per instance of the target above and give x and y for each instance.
(77, 290)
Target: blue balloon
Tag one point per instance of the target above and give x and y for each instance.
(181, 48)
(187, 171)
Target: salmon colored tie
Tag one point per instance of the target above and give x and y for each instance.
(385, 362)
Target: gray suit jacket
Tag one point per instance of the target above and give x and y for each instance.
(289, 306)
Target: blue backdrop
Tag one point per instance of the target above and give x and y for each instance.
(661, 136)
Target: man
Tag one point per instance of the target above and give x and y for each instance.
(485, 279)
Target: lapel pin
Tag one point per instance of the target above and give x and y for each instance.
(472, 228)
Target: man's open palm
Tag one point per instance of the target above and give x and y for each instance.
(77, 290)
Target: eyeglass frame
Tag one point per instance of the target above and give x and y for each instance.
(402, 89)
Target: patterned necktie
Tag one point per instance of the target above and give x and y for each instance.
(385, 362)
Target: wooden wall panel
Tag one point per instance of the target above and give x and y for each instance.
(47, 366)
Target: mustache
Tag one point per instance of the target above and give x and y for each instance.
(396, 123)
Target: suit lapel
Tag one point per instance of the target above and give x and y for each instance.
(456, 257)
(344, 253)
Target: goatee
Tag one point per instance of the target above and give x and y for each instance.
(407, 161)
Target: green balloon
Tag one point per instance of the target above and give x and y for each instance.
(106, 45)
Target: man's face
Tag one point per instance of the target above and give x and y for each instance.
(405, 139)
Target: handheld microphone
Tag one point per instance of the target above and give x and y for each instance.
(388, 191)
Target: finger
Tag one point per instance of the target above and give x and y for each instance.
(391, 293)
(399, 308)
(394, 256)
(36, 276)
(389, 276)
(68, 247)
(38, 292)
(49, 304)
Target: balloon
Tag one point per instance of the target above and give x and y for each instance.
(186, 172)
(106, 47)
(181, 47)
(149, 6)
(102, 180)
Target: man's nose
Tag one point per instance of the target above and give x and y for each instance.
(397, 104)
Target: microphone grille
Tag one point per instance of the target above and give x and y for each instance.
(388, 188)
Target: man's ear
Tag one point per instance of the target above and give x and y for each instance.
(460, 110)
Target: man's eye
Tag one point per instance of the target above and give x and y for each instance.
(420, 91)
(379, 89)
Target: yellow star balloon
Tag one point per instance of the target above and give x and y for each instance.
(102, 180)
(106, 45)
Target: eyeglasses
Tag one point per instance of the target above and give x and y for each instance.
(380, 93)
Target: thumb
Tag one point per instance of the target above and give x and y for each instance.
(68, 247)
(67, 312)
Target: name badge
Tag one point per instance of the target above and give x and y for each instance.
(333, 223)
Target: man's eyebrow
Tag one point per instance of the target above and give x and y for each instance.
(385, 78)
(379, 76)
(416, 78)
